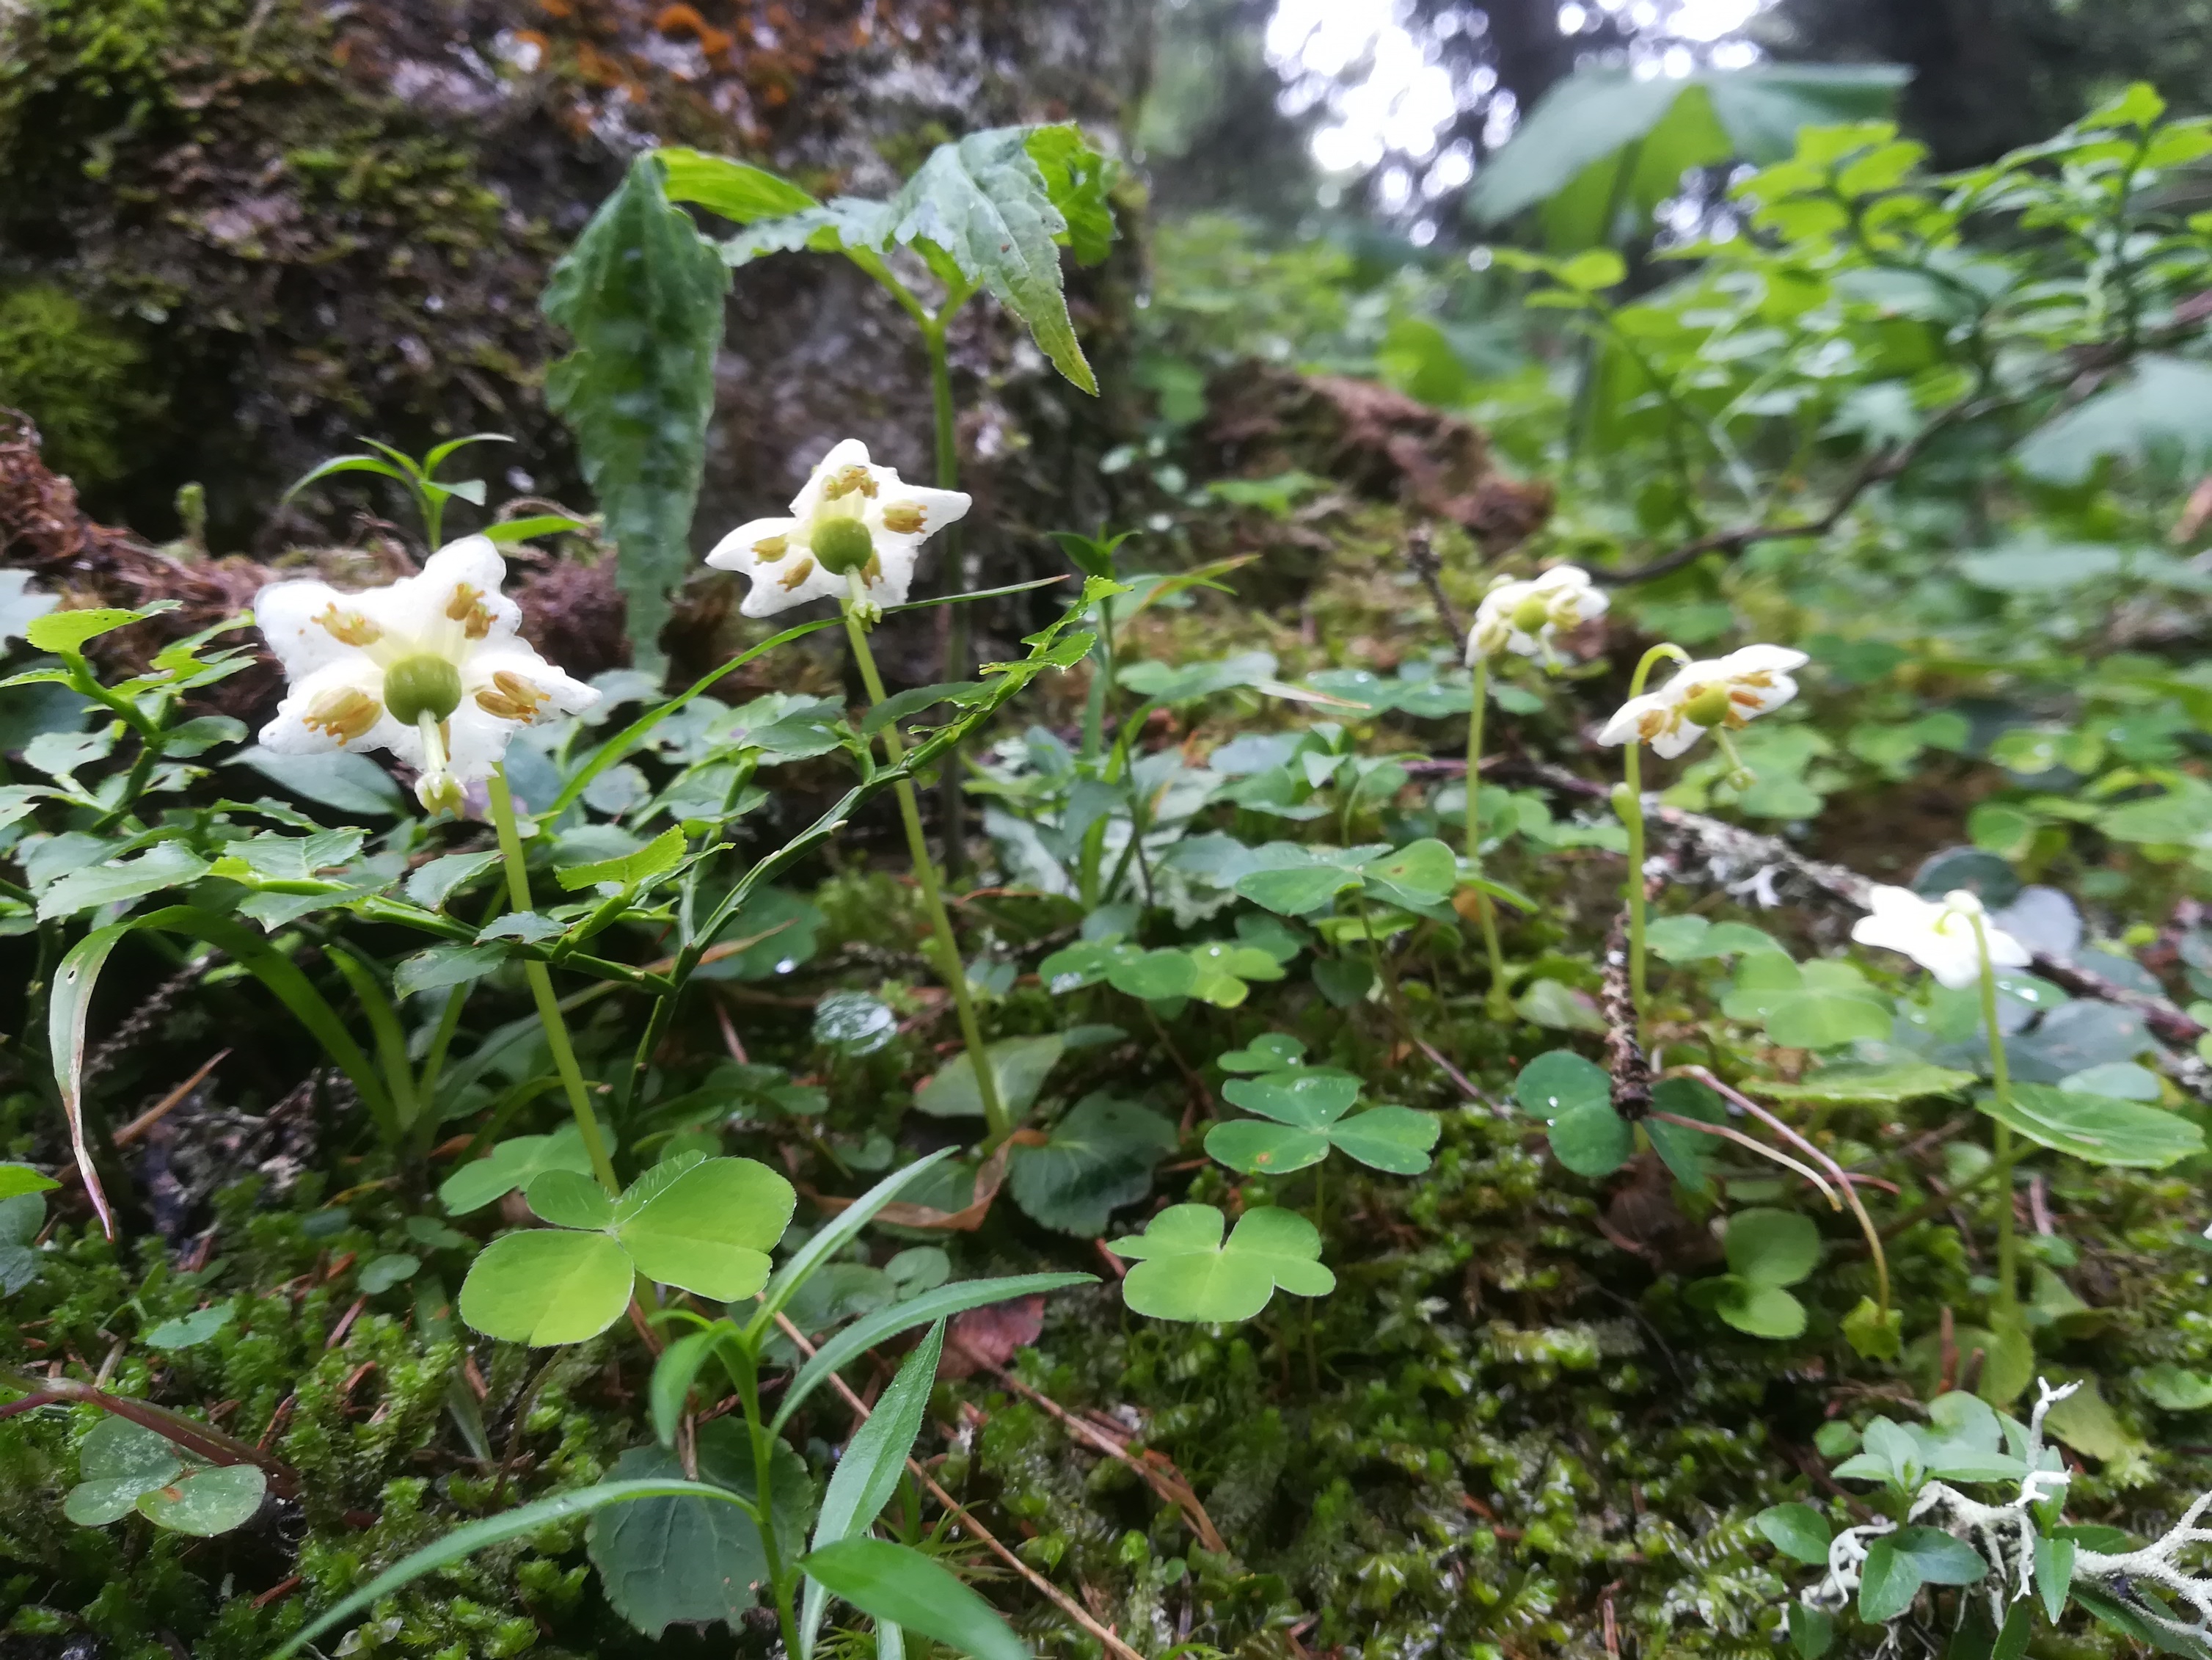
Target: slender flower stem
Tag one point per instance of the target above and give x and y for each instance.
(540, 987)
(950, 966)
(2001, 1082)
(1485, 911)
(1628, 802)
(952, 808)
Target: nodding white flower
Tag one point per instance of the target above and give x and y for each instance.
(1525, 617)
(1938, 934)
(1725, 693)
(856, 528)
(427, 668)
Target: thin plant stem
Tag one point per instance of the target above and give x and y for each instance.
(950, 966)
(1628, 802)
(540, 987)
(1485, 912)
(952, 808)
(2001, 1083)
(434, 1060)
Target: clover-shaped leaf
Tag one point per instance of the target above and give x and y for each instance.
(1308, 1107)
(1271, 1051)
(1186, 1270)
(1767, 1250)
(512, 1164)
(702, 1225)
(1575, 1098)
(126, 1467)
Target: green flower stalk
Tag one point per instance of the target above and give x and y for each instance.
(1526, 619)
(855, 531)
(1720, 696)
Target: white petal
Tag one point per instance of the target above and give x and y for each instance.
(1627, 720)
(2006, 952)
(289, 732)
(1561, 579)
(1529, 645)
(474, 562)
(286, 614)
(561, 692)
(846, 453)
(773, 590)
(735, 551)
(938, 507)
(476, 741)
(1752, 660)
(898, 556)
(1748, 700)
(1678, 737)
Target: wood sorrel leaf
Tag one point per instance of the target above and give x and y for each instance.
(547, 1285)
(1186, 1271)
(711, 1229)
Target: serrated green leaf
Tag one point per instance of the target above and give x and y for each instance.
(1098, 1158)
(2097, 1129)
(68, 631)
(641, 295)
(119, 881)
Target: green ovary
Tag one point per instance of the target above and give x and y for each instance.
(842, 546)
(422, 685)
(1710, 707)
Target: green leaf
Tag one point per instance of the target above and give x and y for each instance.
(866, 1332)
(67, 631)
(683, 1559)
(1078, 180)
(1685, 1151)
(443, 967)
(17, 1179)
(1395, 1139)
(868, 1471)
(1940, 1558)
(1821, 1019)
(737, 190)
(1811, 1630)
(1797, 1530)
(1759, 1311)
(673, 1374)
(2097, 1129)
(119, 881)
(1771, 1247)
(832, 1238)
(1886, 1084)
(2174, 1389)
(1095, 1160)
(381, 1274)
(544, 1286)
(1575, 1098)
(1154, 975)
(2054, 1573)
(640, 294)
(1873, 1334)
(1186, 1270)
(656, 858)
(117, 1461)
(205, 1502)
(344, 783)
(898, 1584)
(2163, 406)
(568, 1199)
(1018, 1066)
(187, 1330)
(711, 1229)
(1264, 1149)
(518, 1523)
(984, 201)
(1426, 868)
(1888, 1581)
(512, 1164)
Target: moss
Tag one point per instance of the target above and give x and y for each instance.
(78, 375)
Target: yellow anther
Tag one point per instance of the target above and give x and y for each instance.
(345, 713)
(906, 520)
(846, 481)
(510, 697)
(348, 628)
(770, 549)
(797, 573)
(467, 608)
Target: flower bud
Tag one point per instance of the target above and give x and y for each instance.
(439, 791)
(422, 685)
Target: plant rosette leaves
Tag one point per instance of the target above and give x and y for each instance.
(1574, 1096)
(679, 1560)
(1307, 1110)
(2097, 1129)
(1096, 1159)
(703, 1225)
(1186, 1271)
(1019, 1064)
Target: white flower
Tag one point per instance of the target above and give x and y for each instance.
(1525, 617)
(1725, 693)
(1938, 935)
(428, 668)
(855, 528)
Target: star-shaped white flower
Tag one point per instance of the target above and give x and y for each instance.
(428, 668)
(855, 529)
(1526, 618)
(1938, 934)
(1726, 692)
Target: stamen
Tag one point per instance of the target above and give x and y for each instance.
(510, 697)
(348, 628)
(797, 573)
(345, 713)
(770, 549)
(467, 608)
(905, 519)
